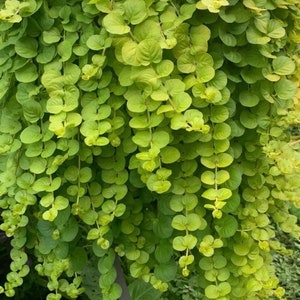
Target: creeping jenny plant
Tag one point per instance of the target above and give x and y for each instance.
(151, 131)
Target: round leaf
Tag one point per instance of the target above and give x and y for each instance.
(27, 74)
(283, 65)
(285, 89)
(169, 154)
(31, 134)
(135, 11)
(114, 23)
(226, 226)
(248, 99)
(52, 35)
(26, 47)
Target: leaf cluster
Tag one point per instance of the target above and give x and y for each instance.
(153, 131)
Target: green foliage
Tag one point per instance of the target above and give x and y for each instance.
(287, 264)
(156, 131)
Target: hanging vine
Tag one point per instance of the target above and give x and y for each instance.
(154, 132)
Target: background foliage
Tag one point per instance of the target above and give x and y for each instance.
(153, 131)
(287, 266)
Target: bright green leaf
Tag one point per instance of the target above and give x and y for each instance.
(52, 35)
(169, 154)
(31, 134)
(221, 131)
(61, 203)
(181, 243)
(212, 292)
(50, 215)
(219, 114)
(114, 23)
(283, 65)
(256, 37)
(248, 99)
(148, 52)
(285, 89)
(135, 11)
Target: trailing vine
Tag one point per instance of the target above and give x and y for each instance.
(154, 132)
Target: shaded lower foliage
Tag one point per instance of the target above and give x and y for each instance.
(287, 263)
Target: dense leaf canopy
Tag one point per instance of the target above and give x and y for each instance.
(151, 131)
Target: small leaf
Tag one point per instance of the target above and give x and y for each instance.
(129, 53)
(205, 73)
(194, 222)
(224, 288)
(26, 47)
(254, 285)
(160, 139)
(179, 222)
(185, 63)
(248, 119)
(50, 215)
(148, 52)
(120, 210)
(169, 154)
(114, 23)
(31, 134)
(165, 68)
(181, 101)
(212, 292)
(227, 38)
(256, 37)
(180, 202)
(93, 234)
(142, 138)
(95, 42)
(226, 226)
(27, 74)
(61, 203)
(47, 200)
(106, 280)
(285, 89)
(232, 203)
(219, 194)
(135, 11)
(52, 35)
(248, 99)
(71, 76)
(221, 131)
(199, 37)
(37, 165)
(181, 243)
(108, 206)
(64, 49)
(85, 174)
(275, 29)
(283, 65)
(219, 114)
